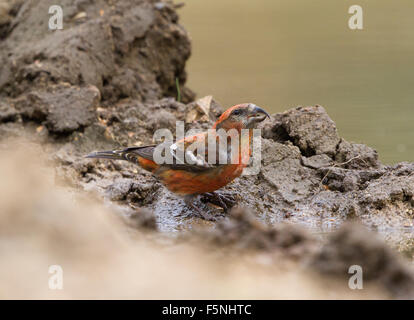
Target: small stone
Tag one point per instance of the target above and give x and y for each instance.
(80, 15)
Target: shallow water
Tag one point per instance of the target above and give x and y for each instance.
(280, 54)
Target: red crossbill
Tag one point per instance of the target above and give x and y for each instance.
(196, 175)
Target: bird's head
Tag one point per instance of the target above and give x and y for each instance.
(241, 116)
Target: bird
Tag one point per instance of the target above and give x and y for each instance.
(191, 174)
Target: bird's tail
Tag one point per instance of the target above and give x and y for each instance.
(142, 156)
(113, 155)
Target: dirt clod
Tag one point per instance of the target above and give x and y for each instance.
(243, 231)
(353, 245)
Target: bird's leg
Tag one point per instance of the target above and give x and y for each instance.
(225, 201)
(204, 215)
(216, 199)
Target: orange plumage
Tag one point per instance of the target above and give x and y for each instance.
(191, 179)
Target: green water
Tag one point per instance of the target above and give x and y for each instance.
(280, 54)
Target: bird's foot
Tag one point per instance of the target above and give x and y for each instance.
(199, 212)
(224, 200)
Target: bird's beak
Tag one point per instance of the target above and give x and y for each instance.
(259, 111)
(257, 114)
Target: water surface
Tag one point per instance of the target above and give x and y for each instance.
(280, 54)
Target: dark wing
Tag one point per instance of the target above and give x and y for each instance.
(191, 154)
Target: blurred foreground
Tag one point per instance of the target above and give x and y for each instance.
(42, 224)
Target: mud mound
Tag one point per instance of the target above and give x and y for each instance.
(62, 109)
(126, 49)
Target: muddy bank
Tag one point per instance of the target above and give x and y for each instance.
(109, 80)
(308, 175)
(103, 258)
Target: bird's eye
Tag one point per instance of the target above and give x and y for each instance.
(236, 112)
